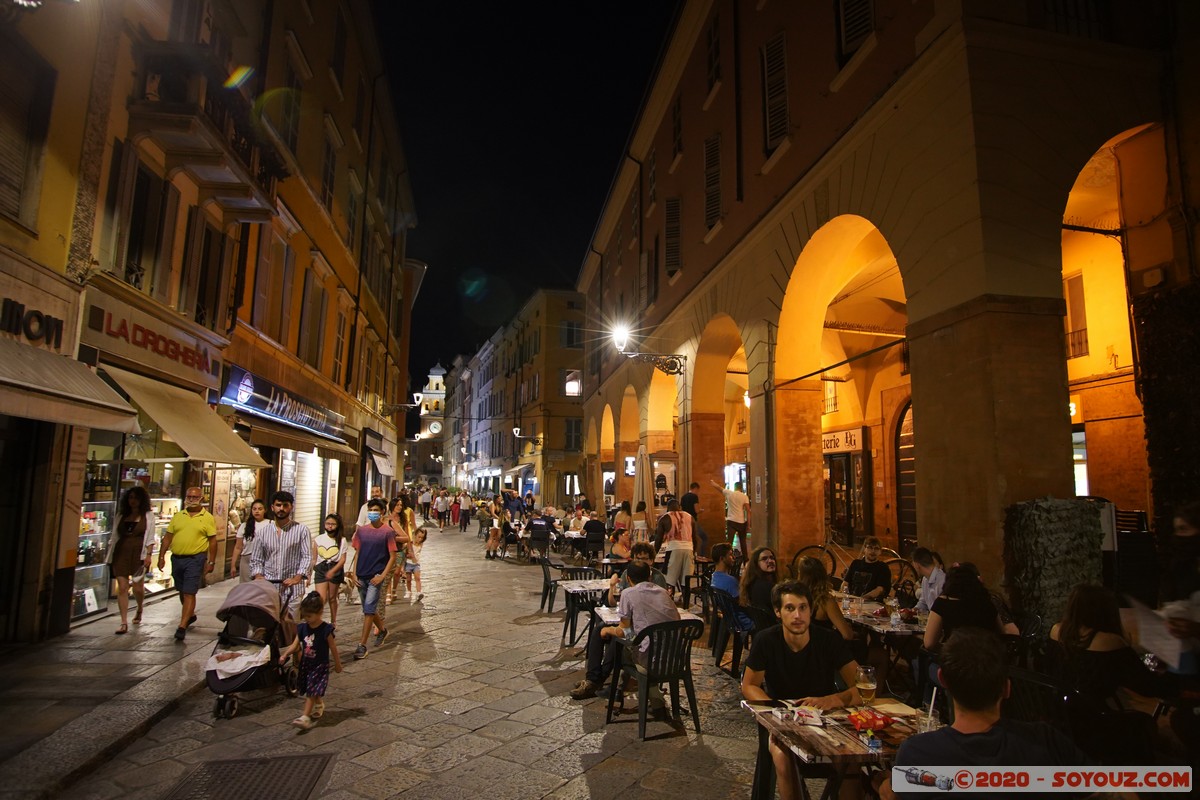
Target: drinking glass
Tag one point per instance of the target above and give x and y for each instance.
(866, 684)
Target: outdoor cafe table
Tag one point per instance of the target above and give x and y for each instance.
(835, 744)
(607, 565)
(609, 616)
(577, 540)
(575, 591)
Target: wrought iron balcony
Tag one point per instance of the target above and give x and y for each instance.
(182, 107)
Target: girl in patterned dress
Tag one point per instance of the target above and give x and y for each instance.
(315, 642)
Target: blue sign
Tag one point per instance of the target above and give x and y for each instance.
(259, 396)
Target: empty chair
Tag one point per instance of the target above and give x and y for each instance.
(667, 659)
(731, 624)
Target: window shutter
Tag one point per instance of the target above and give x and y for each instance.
(712, 181)
(643, 282)
(856, 22)
(775, 106)
(16, 106)
(674, 262)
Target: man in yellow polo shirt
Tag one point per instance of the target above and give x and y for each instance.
(192, 539)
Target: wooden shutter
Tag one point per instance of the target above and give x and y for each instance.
(712, 180)
(674, 262)
(856, 21)
(643, 282)
(17, 92)
(775, 105)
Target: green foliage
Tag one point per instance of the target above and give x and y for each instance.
(1050, 546)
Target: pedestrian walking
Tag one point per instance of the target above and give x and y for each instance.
(496, 514)
(426, 501)
(255, 524)
(403, 522)
(375, 544)
(283, 554)
(131, 544)
(192, 539)
(329, 559)
(316, 644)
(412, 563)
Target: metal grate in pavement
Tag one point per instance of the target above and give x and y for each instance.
(277, 777)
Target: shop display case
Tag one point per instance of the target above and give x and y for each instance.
(91, 568)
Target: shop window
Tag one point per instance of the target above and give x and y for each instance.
(25, 109)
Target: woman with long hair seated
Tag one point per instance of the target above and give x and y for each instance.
(964, 602)
(825, 612)
(1094, 654)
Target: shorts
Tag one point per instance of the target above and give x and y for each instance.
(411, 568)
(369, 593)
(188, 572)
(319, 574)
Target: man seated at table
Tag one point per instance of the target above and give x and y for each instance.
(540, 532)
(796, 660)
(577, 520)
(601, 654)
(724, 579)
(974, 670)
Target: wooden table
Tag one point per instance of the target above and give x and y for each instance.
(836, 745)
(578, 592)
(609, 616)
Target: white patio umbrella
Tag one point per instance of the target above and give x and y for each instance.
(643, 483)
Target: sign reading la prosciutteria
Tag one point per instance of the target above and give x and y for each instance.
(257, 395)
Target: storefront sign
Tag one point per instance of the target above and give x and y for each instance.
(37, 307)
(259, 396)
(127, 332)
(847, 441)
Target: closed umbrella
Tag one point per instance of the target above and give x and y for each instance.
(643, 482)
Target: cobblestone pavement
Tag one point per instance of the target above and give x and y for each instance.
(469, 694)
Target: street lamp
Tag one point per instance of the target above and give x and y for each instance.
(535, 440)
(669, 363)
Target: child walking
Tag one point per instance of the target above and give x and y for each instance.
(412, 563)
(315, 641)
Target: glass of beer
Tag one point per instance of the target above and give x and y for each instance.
(866, 684)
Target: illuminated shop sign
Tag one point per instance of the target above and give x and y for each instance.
(257, 395)
(122, 330)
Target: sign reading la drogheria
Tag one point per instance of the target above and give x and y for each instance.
(259, 396)
(115, 327)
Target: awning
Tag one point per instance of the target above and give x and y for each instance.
(383, 462)
(271, 435)
(188, 420)
(518, 468)
(39, 384)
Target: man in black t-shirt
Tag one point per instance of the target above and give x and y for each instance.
(868, 577)
(796, 660)
(974, 669)
(690, 502)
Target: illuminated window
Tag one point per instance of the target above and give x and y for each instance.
(831, 397)
(1076, 319)
(572, 383)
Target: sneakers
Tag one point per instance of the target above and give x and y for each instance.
(318, 709)
(180, 634)
(380, 638)
(303, 722)
(360, 652)
(191, 620)
(584, 690)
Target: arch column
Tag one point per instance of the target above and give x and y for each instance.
(707, 462)
(798, 518)
(992, 426)
(659, 440)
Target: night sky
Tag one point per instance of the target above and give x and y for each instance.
(514, 118)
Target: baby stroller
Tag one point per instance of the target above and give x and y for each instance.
(246, 656)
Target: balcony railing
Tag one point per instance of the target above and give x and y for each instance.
(183, 80)
(1077, 343)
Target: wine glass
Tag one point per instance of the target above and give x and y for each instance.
(866, 684)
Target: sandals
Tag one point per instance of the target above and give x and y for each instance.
(123, 629)
(137, 620)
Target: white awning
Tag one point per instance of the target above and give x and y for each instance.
(39, 384)
(188, 420)
(518, 468)
(383, 463)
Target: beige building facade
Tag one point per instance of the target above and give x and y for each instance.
(856, 224)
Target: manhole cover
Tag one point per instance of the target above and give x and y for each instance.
(281, 777)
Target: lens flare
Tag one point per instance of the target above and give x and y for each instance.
(238, 77)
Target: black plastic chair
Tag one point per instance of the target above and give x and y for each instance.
(550, 583)
(1035, 697)
(667, 659)
(593, 546)
(539, 541)
(1111, 736)
(730, 625)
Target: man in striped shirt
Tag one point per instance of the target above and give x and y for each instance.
(283, 553)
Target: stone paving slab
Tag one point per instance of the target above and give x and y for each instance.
(469, 696)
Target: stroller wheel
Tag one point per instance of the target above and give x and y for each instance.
(291, 680)
(230, 707)
(217, 711)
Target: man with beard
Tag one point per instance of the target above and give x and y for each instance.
(283, 554)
